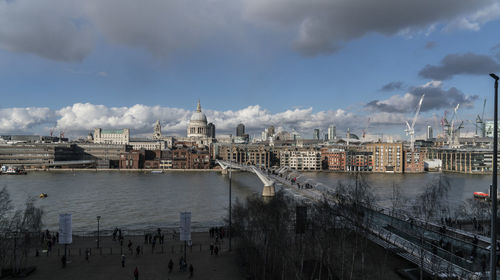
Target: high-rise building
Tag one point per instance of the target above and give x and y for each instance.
(240, 130)
(270, 131)
(429, 132)
(332, 134)
(316, 134)
(211, 130)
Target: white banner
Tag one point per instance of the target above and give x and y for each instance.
(185, 226)
(65, 231)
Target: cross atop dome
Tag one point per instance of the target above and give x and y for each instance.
(198, 108)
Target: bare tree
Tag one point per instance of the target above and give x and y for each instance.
(17, 228)
(429, 206)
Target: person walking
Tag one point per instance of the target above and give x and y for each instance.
(216, 250)
(191, 270)
(211, 248)
(123, 260)
(63, 261)
(136, 273)
(87, 254)
(130, 246)
(170, 266)
(138, 250)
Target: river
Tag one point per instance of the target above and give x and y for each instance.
(136, 200)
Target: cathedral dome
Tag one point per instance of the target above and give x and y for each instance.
(198, 124)
(198, 115)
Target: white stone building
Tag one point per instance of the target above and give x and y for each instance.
(111, 136)
(198, 126)
(301, 159)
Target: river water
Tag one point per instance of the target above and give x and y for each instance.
(137, 200)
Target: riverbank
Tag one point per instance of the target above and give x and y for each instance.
(119, 170)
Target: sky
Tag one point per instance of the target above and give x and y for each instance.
(68, 65)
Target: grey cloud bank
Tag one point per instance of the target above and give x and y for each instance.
(460, 64)
(436, 97)
(68, 32)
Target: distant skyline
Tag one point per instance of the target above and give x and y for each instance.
(299, 65)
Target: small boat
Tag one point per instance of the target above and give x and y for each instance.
(481, 195)
(14, 171)
(43, 195)
(156, 172)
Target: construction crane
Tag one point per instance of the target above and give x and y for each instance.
(410, 129)
(455, 131)
(364, 130)
(480, 125)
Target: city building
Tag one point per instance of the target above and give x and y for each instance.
(414, 162)
(316, 134)
(157, 131)
(301, 159)
(429, 135)
(211, 130)
(147, 144)
(198, 126)
(358, 160)
(332, 133)
(467, 160)
(111, 136)
(387, 157)
(258, 155)
(488, 129)
(334, 159)
(132, 159)
(240, 130)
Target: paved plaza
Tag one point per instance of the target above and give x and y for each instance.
(106, 263)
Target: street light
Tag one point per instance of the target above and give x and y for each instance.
(229, 231)
(493, 250)
(98, 218)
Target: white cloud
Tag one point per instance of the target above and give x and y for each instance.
(80, 118)
(24, 119)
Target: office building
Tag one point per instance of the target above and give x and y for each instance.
(240, 130)
(316, 134)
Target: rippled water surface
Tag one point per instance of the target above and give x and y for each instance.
(139, 200)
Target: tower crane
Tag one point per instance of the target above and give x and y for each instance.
(410, 129)
(480, 122)
(364, 130)
(455, 132)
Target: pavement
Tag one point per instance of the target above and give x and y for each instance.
(105, 263)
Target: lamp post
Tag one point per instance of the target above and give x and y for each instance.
(493, 250)
(98, 218)
(229, 231)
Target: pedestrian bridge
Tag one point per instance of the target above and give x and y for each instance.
(268, 189)
(443, 252)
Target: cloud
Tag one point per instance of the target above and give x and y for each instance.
(460, 64)
(24, 119)
(436, 97)
(162, 27)
(53, 29)
(430, 45)
(496, 51)
(80, 118)
(66, 30)
(324, 26)
(103, 74)
(392, 86)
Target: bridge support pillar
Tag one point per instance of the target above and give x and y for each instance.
(268, 191)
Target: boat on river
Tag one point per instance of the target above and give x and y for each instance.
(13, 170)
